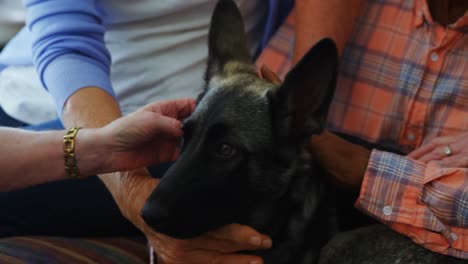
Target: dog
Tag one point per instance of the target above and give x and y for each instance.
(244, 155)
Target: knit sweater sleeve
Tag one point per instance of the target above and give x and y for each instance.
(68, 46)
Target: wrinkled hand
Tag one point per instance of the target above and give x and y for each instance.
(219, 246)
(435, 150)
(147, 136)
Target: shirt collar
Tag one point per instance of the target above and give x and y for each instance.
(422, 14)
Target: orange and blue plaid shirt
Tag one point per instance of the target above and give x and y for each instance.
(403, 81)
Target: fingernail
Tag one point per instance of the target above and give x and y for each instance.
(267, 243)
(256, 241)
(254, 262)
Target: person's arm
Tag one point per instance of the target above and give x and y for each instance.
(148, 136)
(73, 64)
(345, 162)
(317, 19)
(419, 194)
(68, 47)
(30, 158)
(424, 201)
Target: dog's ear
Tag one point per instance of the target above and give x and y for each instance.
(300, 105)
(227, 39)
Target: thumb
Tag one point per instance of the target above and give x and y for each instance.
(168, 126)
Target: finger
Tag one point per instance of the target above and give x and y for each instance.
(456, 161)
(235, 259)
(203, 257)
(187, 252)
(223, 246)
(173, 145)
(175, 155)
(437, 153)
(269, 75)
(159, 260)
(235, 237)
(168, 126)
(429, 147)
(423, 150)
(179, 108)
(163, 150)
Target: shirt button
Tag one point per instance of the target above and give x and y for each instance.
(410, 136)
(453, 236)
(434, 56)
(387, 210)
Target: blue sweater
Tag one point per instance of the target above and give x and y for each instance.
(68, 48)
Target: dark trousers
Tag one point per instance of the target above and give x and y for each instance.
(64, 208)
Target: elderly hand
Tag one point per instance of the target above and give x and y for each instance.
(451, 151)
(148, 136)
(219, 246)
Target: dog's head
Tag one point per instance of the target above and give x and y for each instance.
(241, 144)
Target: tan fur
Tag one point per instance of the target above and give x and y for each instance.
(235, 71)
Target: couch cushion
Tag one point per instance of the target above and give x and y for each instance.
(54, 250)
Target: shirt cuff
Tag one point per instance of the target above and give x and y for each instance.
(391, 188)
(68, 73)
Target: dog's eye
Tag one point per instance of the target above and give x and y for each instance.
(226, 151)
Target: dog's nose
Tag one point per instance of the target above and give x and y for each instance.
(154, 214)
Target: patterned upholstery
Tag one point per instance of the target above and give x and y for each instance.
(58, 250)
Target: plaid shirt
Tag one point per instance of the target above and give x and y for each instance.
(403, 80)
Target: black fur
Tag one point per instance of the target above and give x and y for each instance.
(244, 159)
(225, 44)
(378, 244)
(270, 182)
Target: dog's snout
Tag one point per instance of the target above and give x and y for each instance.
(154, 214)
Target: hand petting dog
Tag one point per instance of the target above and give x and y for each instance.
(219, 246)
(148, 136)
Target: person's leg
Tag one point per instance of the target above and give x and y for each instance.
(70, 207)
(65, 208)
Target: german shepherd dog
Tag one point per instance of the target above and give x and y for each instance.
(244, 158)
